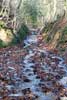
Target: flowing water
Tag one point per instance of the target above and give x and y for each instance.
(40, 76)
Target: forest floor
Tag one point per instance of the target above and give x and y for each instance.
(32, 72)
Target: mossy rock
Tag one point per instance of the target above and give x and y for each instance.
(6, 37)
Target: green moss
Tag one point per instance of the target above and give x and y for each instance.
(48, 39)
(62, 49)
(2, 44)
(65, 30)
(64, 36)
(2, 24)
(13, 42)
(48, 27)
(23, 32)
(62, 40)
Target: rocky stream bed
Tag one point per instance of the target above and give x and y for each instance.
(32, 73)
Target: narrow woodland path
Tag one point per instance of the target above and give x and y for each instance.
(32, 72)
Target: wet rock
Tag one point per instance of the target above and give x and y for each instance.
(27, 90)
(46, 89)
(63, 81)
(26, 80)
(63, 98)
(37, 77)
